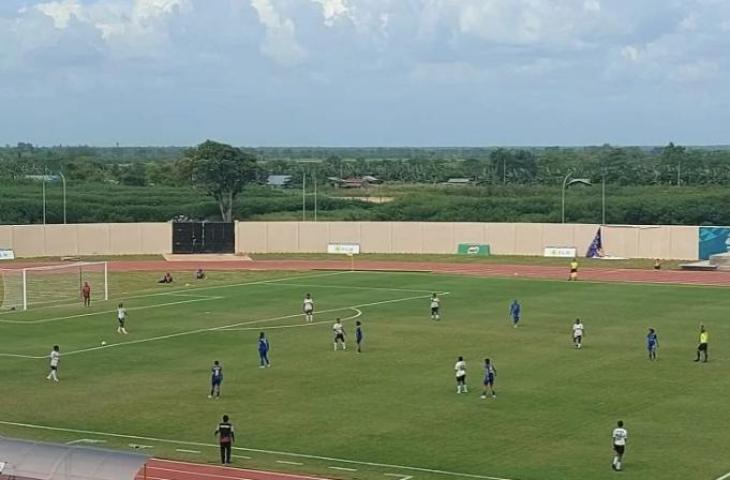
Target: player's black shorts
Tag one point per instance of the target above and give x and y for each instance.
(573, 270)
(619, 449)
(54, 367)
(578, 338)
(121, 322)
(340, 337)
(461, 379)
(434, 310)
(702, 347)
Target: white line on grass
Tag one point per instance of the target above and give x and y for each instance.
(287, 462)
(171, 292)
(344, 469)
(199, 298)
(352, 287)
(255, 450)
(399, 475)
(724, 477)
(213, 329)
(298, 325)
(185, 450)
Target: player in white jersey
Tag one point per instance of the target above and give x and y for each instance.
(435, 307)
(55, 357)
(339, 332)
(619, 437)
(308, 307)
(460, 369)
(578, 330)
(121, 318)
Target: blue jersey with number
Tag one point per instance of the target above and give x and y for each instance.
(216, 374)
(263, 345)
(652, 340)
(514, 310)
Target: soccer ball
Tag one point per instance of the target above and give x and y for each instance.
(103, 343)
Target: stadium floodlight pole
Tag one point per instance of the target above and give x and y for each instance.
(603, 200)
(314, 180)
(63, 182)
(304, 196)
(567, 182)
(43, 181)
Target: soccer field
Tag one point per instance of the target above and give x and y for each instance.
(391, 412)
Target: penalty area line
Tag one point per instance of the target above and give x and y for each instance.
(724, 477)
(257, 450)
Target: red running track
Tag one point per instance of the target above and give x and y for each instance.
(479, 269)
(158, 469)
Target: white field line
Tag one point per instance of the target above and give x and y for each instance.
(214, 329)
(254, 450)
(353, 287)
(344, 469)
(185, 450)
(298, 325)
(287, 462)
(174, 291)
(724, 477)
(197, 298)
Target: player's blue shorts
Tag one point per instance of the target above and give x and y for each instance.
(515, 318)
(651, 347)
(489, 379)
(358, 338)
(216, 380)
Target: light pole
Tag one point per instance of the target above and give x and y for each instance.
(43, 180)
(567, 182)
(63, 182)
(603, 200)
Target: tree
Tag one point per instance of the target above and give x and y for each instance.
(222, 171)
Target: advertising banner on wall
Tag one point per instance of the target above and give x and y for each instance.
(714, 240)
(477, 249)
(561, 252)
(343, 248)
(7, 254)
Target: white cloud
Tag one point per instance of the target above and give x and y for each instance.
(280, 43)
(332, 10)
(62, 11)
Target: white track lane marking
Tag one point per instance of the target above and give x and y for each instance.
(255, 450)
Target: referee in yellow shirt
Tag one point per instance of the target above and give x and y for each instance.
(573, 270)
(702, 347)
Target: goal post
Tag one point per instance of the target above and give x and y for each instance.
(53, 284)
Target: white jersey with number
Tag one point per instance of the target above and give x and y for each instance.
(435, 301)
(619, 436)
(338, 329)
(460, 368)
(55, 357)
(577, 330)
(121, 313)
(308, 305)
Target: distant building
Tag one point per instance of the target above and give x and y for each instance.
(278, 181)
(459, 182)
(354, 182)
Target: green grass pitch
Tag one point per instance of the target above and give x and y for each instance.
(395, 405)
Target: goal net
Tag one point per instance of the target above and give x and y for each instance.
(24, 288)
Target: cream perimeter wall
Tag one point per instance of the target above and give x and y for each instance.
(87, 239)
(669, 242)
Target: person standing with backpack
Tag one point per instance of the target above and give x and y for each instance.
(226, 437)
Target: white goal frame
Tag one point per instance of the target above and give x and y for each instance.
(25, 272)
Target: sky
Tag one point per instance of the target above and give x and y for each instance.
(365, 72)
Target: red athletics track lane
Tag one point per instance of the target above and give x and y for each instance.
(158, 469)
(478, 269)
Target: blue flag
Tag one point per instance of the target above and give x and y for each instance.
(596, 247)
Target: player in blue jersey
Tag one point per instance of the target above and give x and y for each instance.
(652, 343)
(216, 378)
(264, 350)
(358, 335)
(514, 311)
(489, 373)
